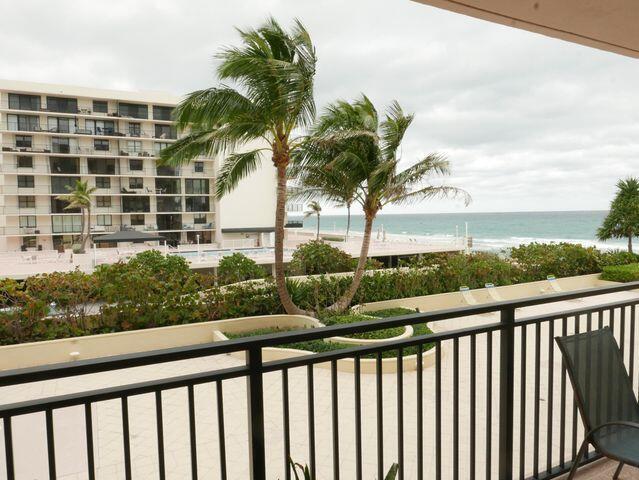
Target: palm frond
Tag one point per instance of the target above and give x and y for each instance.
(236, 167)
(393, 129)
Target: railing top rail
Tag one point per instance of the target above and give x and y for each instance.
(67, 369)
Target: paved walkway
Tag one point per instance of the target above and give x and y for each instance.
(29, 438)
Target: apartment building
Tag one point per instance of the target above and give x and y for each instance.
(53, 135)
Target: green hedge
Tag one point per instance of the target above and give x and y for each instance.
(621, 273)
(152, 290)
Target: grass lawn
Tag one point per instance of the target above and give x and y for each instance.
(322, 346)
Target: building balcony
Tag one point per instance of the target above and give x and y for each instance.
(74, 150)
(26, 231)
(75, 131)
(16, 210)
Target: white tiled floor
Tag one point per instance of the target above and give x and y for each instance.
(29, 440)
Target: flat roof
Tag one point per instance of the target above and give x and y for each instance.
(146, 96)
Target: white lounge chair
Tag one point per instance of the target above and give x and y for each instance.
(467, 296)
(556, 288)
(492, 291)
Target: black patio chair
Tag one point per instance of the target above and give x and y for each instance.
(604, 396)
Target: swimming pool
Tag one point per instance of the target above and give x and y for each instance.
(249, 252)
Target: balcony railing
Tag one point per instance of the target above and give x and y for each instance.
(86, 112)
(58, 150)
(37, 230)
(88, 131)
(487, 399)
(16, 210)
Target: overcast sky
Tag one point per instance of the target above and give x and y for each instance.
(528, 122)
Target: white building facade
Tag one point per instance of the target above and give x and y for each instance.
(54, 135)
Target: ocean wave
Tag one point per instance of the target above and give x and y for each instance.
(508, 242)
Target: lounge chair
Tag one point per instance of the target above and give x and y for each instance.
(467, 296)
(492, 291)
(604, 395)
(556, 288)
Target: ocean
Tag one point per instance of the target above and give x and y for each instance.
(490, 231)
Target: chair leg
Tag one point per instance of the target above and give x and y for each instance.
(580, 454)
(618, 471)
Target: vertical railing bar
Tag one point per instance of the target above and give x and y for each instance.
(522, 404)
(159, 420)
(438, 410)
(489, 403)
(536, 401)
(192, 431)
(473, 392)
(126, 438)
(588, 356)
(335, 419)
(456, 408)
(631, 353)
(562, 421)
(50, 444)
(550, 394)
(611, 320)
(358, 420)
(600, 319)
(506, 392)
(286, 424)
(380, 416)
(622, 333)
(220, 428)
(255, 393)
(311, 419)
(8, 448)
(420, 413)
(400, 412)
(88, 427)
(574, 406)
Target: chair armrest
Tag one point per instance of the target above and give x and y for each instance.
(617, 423)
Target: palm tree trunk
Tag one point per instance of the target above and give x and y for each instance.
(348, 219)
(80, 238)
(88, 232)
(630, 243)
(318, 226)
(280, 213)
(346, 299)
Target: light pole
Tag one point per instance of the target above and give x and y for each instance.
(197, 239)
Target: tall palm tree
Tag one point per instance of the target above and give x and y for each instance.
(273, 72)
(79, 197)
(314, 208)
(350, 138)
(623, 219)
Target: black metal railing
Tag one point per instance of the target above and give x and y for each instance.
(493, 401)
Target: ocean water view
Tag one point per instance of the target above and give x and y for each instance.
(490, 231)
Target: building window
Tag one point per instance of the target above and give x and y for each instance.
(25, 123)
(26, 201)
(27, 221)
(24, 141)
(197, 204)
(135, 203)
(162, 113)
(136, 183)
(197, 186)
(61, 125)
(198, 167)
(62, 104)
(60, 145)
(199, 218)
(29, 242)
(133, 110)
(165, 131)
(102, 202)
(102, 166)
(136, 164)
(66, 223)
(100, 106)
(100, 127)
(61, 184)
(134, 146)
(137, 219)
(135, 130)
(102, 182)
(101, 145)
(159, 146)
(25, 181)
(104, 220)
(24, 102)
(62, 206)
(64, 165)
(25, 162)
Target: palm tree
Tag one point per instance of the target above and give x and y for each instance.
(273, 71)
(623, 219)
(79, 197)
(314, 208)
(350, 139)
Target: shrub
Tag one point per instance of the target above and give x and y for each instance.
(538, 260)
(316, 257)
(617, 257)
(621, 273)
(238, 268)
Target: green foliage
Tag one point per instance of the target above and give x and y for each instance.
(316, 257)
(623, 219)
(355, 317)
(298, 469)
(238, 268)
(621, 273)
(538, 260)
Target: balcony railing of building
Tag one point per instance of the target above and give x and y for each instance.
(492, 402)
(90, 131)
(77, 150)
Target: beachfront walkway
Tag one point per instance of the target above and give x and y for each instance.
(29, 435)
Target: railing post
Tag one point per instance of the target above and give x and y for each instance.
(506, 392)
(255, 392)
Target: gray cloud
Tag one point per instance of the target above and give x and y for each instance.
(529, 123)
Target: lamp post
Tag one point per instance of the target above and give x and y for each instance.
(197, 239)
